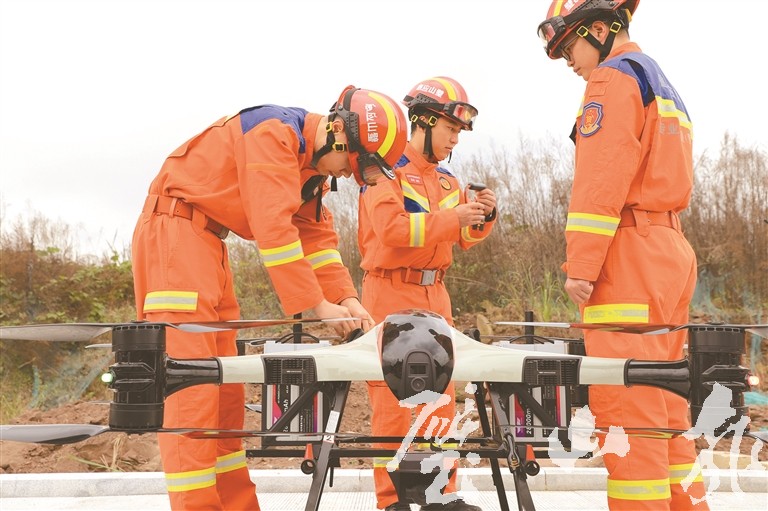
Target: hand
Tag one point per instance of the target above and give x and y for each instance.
(328, 310)
(358, 311)
(471, 213)
(487, 198)
(578, 290)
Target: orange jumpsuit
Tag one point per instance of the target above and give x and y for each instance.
(633, 175)
(249, 173)
(404, 226)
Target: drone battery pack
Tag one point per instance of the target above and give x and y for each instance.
(277, 398)
(555, 399)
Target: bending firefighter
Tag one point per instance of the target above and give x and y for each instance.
(261, 174)
(627, 258)
(406, 233)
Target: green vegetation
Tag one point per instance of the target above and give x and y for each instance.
(43, 279)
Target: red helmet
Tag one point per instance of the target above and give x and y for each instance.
(376, 130)
(443, 96)
(565, 16)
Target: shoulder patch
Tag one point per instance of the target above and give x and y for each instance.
(444, 183)
(591, 116)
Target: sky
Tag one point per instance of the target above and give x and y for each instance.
(95, 94)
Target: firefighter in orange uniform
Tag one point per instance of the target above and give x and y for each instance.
(627, 258)
(261, 174)
(407, 229)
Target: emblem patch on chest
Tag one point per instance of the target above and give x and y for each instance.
(590, 119)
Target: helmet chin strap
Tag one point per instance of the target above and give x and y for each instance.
(603, 48)
(427, 125)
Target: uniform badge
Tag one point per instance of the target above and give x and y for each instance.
(445, 183)
(590, 119)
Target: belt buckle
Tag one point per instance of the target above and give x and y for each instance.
(428, 277)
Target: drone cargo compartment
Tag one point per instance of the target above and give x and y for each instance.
(555, 399)
(278, 397)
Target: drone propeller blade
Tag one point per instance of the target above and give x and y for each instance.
(58, 434)
(218, 326)
(637, 328)
(59, 332)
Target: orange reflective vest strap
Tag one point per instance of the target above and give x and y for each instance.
(230, 462)
(639, 490)
(617, 313)
(170, 301)
(192, 480)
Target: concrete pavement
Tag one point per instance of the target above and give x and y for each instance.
(561, 489)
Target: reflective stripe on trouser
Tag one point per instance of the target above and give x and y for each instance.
(175, 254)
(658, 270)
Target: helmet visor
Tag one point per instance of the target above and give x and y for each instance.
(462, 112)
(551, 32)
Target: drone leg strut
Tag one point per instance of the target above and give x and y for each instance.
(498, 482)
(338, 391)
(516, 456)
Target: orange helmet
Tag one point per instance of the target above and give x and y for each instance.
(566, 16)
(376, 131)
(443, 96)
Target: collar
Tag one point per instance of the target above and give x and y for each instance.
(628, 47)
(311, 122)
(417, 159)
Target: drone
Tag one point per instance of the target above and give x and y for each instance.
(413, 351)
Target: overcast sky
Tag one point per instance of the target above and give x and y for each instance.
(95, 94)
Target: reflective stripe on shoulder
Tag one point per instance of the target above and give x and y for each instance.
(324, 257)
(171, 301)
(595, 224)
(282, 255)
(617, 313)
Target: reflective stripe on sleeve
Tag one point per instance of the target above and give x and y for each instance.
(617, 313)
(668, 108)
(595, 224)
(282, 255)
(324, 257)
(466, 234)
(170, 301)
(418, 226)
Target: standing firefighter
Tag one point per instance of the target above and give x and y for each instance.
(406, 233)
(261, 174)
(627, 258)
